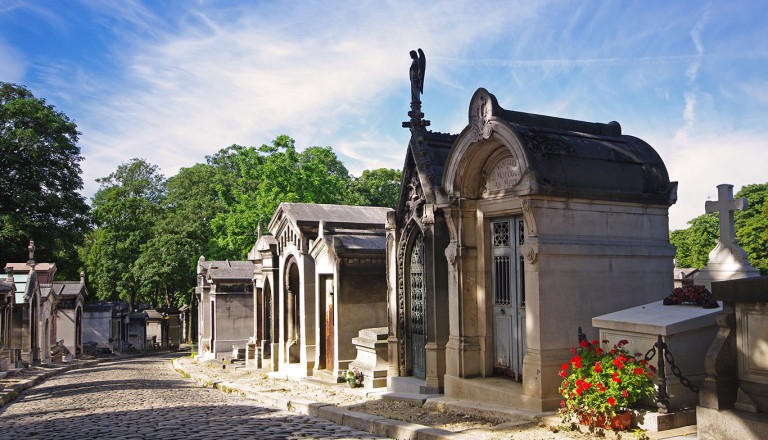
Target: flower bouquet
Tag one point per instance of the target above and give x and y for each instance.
(691, 295)
(353, 377)
(600, 385)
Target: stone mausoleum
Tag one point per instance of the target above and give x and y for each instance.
(507, 238)
(327, 269)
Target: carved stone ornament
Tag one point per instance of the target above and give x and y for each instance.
(480, 113)
(451, 252)
(531, 256)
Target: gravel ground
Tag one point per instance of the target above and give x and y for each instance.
(477, 425)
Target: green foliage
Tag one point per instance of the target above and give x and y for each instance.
(39, 182)
(260, 179)
(379, 187)
(752, 225)
(694, 243)
(125, 211)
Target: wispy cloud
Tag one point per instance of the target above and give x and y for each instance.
(693, 68)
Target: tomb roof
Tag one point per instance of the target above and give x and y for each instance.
(228, 270)
(309, 214)
(565, 157)
(153, 315)
(360, 243)
(69, 288)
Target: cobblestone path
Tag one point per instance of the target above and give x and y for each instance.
(143, 398)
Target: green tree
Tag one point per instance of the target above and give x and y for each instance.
(125, 210)
(694, 243)
(379, 187)
(752, 225)
(166, 267)
(39, 182)
(270, 175)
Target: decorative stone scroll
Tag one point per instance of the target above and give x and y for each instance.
(505, 174)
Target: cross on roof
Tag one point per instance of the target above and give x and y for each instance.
(726, 205)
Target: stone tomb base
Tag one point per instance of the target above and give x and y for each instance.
(687, 330)
(724, 424)
(372, 347)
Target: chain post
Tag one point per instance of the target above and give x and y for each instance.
(663, 397)
(581, 335)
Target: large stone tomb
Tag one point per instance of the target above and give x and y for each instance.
(734, 396)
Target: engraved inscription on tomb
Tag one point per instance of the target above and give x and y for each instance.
(503, 175)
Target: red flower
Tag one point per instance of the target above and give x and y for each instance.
(583, 344)
(618, 364)
(611, 401)
(598, 351)
(562, 403)
(564, 367)
(624, 393)
(595, 342)
(563, 373)
(616, 378)
(638, 371)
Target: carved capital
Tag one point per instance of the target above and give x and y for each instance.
(428, 217)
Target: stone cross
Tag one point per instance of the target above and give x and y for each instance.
(725, 205)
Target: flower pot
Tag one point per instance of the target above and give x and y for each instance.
(619, 422)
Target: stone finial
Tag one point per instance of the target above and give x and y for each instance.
(82, 277)
(9, 274)
(321, 229)
(31, 249)
(725, 205)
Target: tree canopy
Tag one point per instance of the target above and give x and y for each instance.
(39, 182)
(151, 231)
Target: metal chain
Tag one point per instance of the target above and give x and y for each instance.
(650, 354)
(676, 371)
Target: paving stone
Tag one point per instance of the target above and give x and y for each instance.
(145, 399)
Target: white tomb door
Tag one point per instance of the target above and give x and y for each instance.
(418, 307)
(508, 289)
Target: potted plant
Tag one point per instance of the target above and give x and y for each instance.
(599, 385)
(353, 377)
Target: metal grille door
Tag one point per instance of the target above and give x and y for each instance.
(418, 319)
(508, 287)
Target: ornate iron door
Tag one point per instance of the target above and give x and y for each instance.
(418, 316)
(508, 287)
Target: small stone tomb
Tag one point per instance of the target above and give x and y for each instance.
(734, 396)
(371, 358)
(686, 329)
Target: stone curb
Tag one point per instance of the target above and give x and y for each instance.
(365, 422)
(11, 392)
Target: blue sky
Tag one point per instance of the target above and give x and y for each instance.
(175, 80)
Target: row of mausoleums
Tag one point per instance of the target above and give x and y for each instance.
(46, 321)
(506, 239)
(41, 320)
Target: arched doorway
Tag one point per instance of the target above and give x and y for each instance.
(292, 312)
(267, 324)
(417, 307)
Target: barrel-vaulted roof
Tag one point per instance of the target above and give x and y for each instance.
(557, 156)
